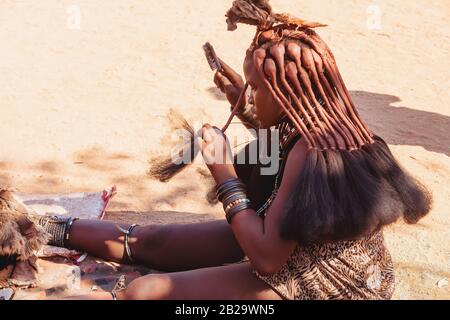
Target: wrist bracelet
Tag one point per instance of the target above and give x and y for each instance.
(235, 203)
(233, 195)
(240, 207)
(227, 186)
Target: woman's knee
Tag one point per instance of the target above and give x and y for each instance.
(150, 287)
(148, 239)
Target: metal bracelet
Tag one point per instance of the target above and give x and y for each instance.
(237, 209)
(242, 205)
(233, 197)
(127, 234)
(236, 202)
(227, 186)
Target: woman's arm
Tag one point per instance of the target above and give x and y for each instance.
(231, 84)
(267, 251)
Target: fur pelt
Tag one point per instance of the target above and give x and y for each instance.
(20, 238)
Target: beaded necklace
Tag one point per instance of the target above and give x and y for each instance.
(287, 134)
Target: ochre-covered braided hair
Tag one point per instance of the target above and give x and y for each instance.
(350, 185)
(301, 73)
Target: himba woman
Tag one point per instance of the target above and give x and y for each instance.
(314, 230)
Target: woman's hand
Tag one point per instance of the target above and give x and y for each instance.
(229, 82)
(217, 153)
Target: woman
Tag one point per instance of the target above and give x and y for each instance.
(313, 231)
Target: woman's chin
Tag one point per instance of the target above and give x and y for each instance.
(263, 125)
(268, 124)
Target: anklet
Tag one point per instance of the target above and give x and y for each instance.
(58, 228)
(119, 286)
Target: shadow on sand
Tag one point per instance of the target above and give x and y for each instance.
(403, 125)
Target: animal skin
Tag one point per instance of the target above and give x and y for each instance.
(19, 235)
(20, 238)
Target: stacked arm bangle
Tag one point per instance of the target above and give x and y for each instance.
(233, 195)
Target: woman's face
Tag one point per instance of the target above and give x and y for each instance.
(267, 110)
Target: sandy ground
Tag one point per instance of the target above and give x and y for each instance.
(84, 108)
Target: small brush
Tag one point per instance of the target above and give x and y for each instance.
(211, 57)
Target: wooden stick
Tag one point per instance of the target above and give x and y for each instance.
(237, 108)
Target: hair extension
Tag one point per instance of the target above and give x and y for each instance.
(350, 185)
(292, 73)
(278, 51)
(165, 168)
(416, 198)
(258, 59)
(271, 71)
(331, 102)
(256, 12)
(316, 67)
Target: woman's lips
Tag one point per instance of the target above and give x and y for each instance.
(251, 100)
(253, 109)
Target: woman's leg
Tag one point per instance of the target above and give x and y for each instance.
(166, 248)
(162, 247)
(233, 282)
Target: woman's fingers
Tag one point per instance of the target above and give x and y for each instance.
(218, 81)
(222, 82)
(214, 146)
(207, 133)
(211, 135)
(231, 91)
(219, 132)
(206, 143)
(201, 143)
(232, 75)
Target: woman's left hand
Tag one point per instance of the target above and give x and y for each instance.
(217, 153)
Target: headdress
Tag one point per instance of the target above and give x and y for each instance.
(350, 184)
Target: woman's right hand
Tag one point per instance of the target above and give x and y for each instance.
(229, 82)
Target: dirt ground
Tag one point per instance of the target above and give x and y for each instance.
(86, 86)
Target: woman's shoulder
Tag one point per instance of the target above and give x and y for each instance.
(295, 160)
(297, 153)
